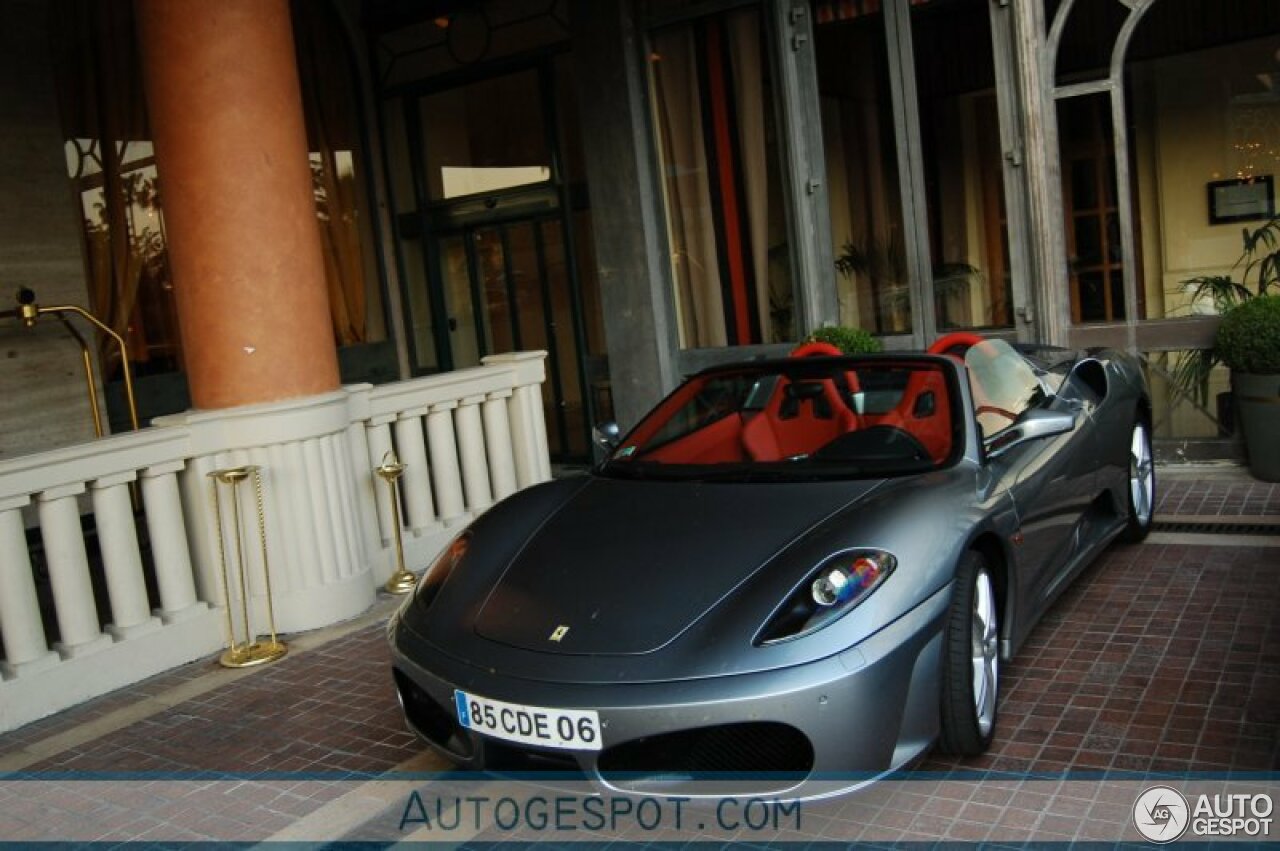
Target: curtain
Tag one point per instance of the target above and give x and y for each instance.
(748, 91)
(712, 113)
(104, 119)
(689, 216)
(333, 139)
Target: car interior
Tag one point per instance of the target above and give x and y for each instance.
(882, 412)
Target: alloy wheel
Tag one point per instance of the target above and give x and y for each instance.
(985, 656)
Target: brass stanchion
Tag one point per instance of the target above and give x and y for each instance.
(390, 471)
(251, 651)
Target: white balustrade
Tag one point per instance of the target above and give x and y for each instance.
(64, 553)
(122, 563)
(169, 550)
(444, 463)
(21, 629)
(378, 437)
(471, 452)
(411, 449)
(468, 439)
(497, 440)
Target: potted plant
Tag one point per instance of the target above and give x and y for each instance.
(1259, 271)
(1248, 342)
(850, 341)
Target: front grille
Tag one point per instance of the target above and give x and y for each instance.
(756, 748)
(506, 758)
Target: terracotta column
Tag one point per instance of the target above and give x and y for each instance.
(231, 152)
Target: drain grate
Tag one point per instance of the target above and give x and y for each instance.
(1202, 528)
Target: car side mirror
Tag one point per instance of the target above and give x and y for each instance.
(606, 437)
(1034, 425)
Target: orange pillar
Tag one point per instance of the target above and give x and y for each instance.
(244, 246)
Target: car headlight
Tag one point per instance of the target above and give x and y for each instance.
(433, 578)
(830, 592)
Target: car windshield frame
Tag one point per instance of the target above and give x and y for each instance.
(738, 422)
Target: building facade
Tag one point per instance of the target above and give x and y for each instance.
(642, 188)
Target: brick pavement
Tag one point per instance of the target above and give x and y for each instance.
(1161, 657)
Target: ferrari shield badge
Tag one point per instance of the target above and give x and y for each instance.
(559, 632)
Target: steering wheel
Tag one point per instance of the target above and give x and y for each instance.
(882, 441)
(992, 409)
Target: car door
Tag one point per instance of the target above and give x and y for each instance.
(1051, 479)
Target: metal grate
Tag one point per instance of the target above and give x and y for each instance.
(1202, 528)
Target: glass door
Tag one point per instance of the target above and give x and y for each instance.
(507, 287)
(489, 260)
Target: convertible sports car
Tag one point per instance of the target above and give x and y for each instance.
(790, 568)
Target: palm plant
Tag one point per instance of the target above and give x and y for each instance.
(1259, 268)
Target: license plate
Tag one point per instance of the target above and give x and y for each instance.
(569, 729)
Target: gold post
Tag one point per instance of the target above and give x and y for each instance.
(88, 375)
(250, 652)
(390, 471)
(104, 328)
(29, 312)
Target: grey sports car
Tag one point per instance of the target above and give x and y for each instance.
(790, 568)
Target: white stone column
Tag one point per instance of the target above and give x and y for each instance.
(471, 449)
(411, 448)
(378, 436)
(523, 439)
(497, 439)
(121, 560)
(21, 628)
(528, 430)
(169, 551)
(363, 482)
(69, 572)
(542, 450)
(444, 463)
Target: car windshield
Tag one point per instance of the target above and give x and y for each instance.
(798, 419)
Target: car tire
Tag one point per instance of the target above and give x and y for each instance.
(971, 663)
(1141, 484)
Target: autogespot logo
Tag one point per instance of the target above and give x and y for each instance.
(1161, 814)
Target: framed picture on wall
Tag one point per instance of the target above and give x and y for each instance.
(1242, 200)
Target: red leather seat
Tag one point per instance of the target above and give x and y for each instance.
(800, 418)
(924, 411)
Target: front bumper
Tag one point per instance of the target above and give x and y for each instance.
(830, 724)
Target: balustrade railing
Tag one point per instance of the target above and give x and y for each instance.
(105, 547)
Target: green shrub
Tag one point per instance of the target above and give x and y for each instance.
(1249, 336)
(851, 341)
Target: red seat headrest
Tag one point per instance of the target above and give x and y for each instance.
(815, 347)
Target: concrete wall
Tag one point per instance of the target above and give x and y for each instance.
(43, 400)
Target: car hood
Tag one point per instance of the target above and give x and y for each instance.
(623, 567)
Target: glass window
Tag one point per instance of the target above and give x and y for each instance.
(1094, 259)
(862, 169)
(713, 103)
(1201, 80)
(485, 137)
(963, 164)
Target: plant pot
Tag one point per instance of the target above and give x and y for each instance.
(1258, 398)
